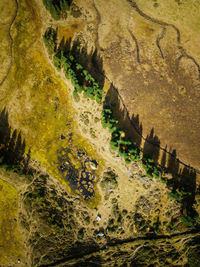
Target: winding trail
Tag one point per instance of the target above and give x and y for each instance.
(159, 38)
(117, 242)
(165, 24)
(11, 43)
(136, 45)
(98, 23)
(156, 21)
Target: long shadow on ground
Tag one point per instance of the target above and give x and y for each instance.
(183, 177)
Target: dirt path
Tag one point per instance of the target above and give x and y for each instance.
(97, 28)
(11, 43)
(136, 44)
(159, 38)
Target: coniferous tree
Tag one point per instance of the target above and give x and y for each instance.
(54, 10)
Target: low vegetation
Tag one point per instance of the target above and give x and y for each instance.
(81, 79)
(125, 147)
(150, 167)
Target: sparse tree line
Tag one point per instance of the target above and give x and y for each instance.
(81, 79)
(130, 152)
(57, 8)
(126, 148)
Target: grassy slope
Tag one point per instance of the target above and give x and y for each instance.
(7, 9)
(38, 102)
(10, 240)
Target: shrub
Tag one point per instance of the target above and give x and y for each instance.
(128, 161)
(79, 66)
(149, 174)
(188, 221)
(112, 129)
(175, 195)
(50, 38)
(64, 5)
(150, 167)
(75, 95)
(55, 11)
(98, 99)
(163, 180)
(57, 7)
(57, 62)
(113, 145)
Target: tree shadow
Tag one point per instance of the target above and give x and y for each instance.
(184, 181)
(91, 61)
(164, 158)
(12, 147)
(188, 184)
(152, 146)
(131, 126)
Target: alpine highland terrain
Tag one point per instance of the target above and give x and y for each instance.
(99, 133)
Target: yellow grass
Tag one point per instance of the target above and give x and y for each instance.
(37, 100)
(10, 241)
(185, 16)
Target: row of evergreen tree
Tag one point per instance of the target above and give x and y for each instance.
(119, 142)
(57, 7)
(125, 147)
(81, 79)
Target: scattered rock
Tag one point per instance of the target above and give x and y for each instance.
(93, 164)
(101, 234)
(98, 217)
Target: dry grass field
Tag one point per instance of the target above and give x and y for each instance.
(148, 60)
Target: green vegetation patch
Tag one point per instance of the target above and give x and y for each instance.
(124, 146)
(150, 167)
(37, 101)
(57, 8)
(81, 79)
(10, 240)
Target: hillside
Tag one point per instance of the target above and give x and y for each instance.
(99, 133)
